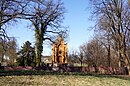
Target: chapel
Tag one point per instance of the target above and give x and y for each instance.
(59, 52)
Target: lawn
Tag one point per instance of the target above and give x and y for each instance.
(69, 79)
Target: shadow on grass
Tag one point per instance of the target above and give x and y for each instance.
(42, 72)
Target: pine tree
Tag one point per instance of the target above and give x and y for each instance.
(26, 56)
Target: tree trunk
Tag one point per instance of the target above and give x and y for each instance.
(123, 58)
(120, 55)
(124, 53)
(39, 47)
(81, 64)
(109, 56)
(109, 51)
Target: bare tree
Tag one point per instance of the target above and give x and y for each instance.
(94, 53)
(105, 38)
(46, 16)
(9, 10)
(115, 14)
(8, 49)
(81, 58)
(73, 57)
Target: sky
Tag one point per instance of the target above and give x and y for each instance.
(77, 18)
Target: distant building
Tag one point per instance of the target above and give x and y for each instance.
(59, 52)
(46, 59)
(5, 60)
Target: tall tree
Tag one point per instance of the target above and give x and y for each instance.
(9, 11)
(115, 14)
(104, 36)
(46, 17)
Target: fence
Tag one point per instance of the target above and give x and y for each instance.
(99, 70)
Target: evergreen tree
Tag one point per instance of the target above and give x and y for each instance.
(26, 56)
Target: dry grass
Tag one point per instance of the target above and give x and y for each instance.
(62, 80)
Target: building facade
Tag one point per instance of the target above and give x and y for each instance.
(59, 52)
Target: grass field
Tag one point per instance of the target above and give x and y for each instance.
(71, 79)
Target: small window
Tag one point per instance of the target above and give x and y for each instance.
(60, 52)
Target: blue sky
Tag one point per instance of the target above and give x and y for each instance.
(76, 17)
